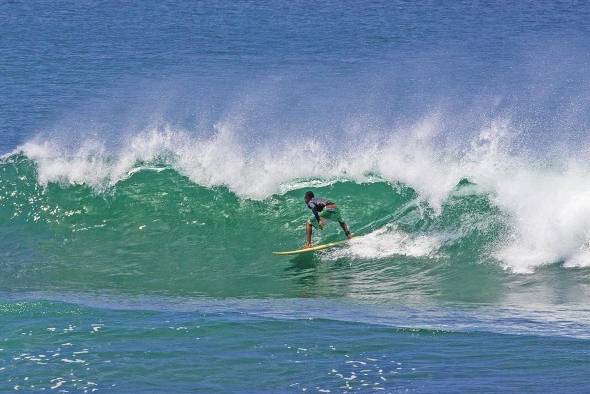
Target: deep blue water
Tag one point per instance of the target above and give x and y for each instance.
(63, 60)
(154, 154)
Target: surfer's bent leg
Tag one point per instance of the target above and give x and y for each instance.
(345, 229)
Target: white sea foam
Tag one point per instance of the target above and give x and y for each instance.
(550, 213)
(389, 241)
(253, 171)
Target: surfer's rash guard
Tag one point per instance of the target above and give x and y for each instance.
(317, 205)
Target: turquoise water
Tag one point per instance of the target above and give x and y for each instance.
(155, 154)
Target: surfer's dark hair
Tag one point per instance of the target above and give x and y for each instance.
(309, 195)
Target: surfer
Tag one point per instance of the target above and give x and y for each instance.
(323, 210)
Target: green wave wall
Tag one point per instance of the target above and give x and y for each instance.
(156, 232)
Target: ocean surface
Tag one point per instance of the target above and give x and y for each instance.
(153, 154)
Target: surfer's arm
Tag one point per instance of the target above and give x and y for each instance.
(317, 215)
(314, 210)
(318, 218)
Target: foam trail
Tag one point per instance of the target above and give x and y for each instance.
(389, 241)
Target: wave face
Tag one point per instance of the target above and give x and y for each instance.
(169, 213)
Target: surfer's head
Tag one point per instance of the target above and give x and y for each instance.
(308, 196)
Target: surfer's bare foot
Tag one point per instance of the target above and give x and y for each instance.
(307, 246)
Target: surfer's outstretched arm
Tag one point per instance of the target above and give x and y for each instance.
(346, 230)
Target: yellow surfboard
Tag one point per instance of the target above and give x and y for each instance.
(312, 249)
